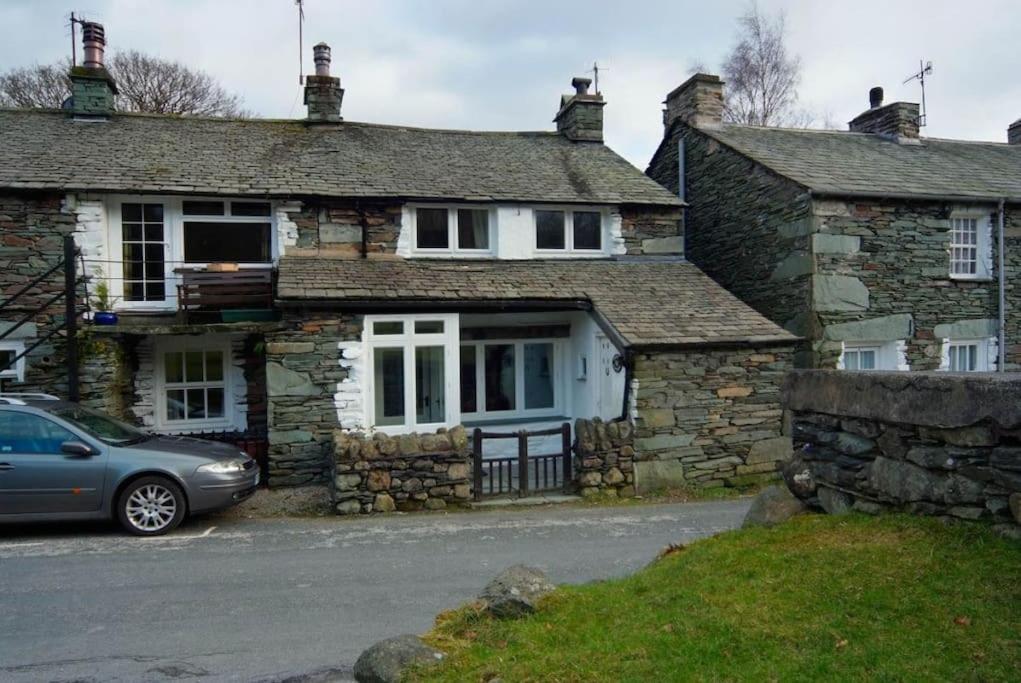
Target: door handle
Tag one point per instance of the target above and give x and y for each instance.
(5, 466)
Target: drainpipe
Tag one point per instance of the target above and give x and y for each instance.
(629, 363)
(1001, 366)
(364, 222)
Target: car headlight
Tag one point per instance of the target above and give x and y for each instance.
(224, 467)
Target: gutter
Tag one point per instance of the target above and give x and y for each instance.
(847, 194)
(1002, 360)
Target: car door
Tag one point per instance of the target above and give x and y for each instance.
(36, 476)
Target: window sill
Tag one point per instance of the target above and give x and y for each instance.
(972, 278)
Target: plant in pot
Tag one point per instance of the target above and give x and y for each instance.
(103, 308)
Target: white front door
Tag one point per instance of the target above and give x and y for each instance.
(606, 381)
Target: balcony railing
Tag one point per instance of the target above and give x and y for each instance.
(210, 292)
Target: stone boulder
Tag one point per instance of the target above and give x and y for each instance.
(835, 502)
(798, 477)
(774, 505)
(515, 591)
(386, 661)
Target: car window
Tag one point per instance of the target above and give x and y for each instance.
(103, 427)
(27, 433)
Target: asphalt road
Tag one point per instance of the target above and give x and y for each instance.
(289, 599)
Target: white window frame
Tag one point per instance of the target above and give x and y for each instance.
(569, 248)
(16, 373)
(859, 349)
(519, 412)
(452, 249)
(408, 339)
(890, 355)
(229, 421)
(982, 246)
(985, 355)
(173, 243)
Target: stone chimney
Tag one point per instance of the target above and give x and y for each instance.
(93, 89)
(1014, 133)
(697, 102)
(581, 115)
(323, 93)
(897, 121)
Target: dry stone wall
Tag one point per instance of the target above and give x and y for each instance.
(927, 443)
(604, 456)
(380, 473)
(709, 417)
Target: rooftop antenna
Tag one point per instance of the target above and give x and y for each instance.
(595, 74)
(924, 69)
(301, 21)
(74, 46)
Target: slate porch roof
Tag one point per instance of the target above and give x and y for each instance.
(844, 163)
(648, 302)
(164, 154)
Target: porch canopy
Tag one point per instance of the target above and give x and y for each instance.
(640, 303)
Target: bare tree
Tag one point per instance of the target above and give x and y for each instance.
(762, 77)
(145, 84)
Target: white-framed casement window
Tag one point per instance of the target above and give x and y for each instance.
(970, 246)
(412, 368)
(194, 385)
(969, 355)
(859, 357)
(569, 231)
(511, 379)
(456, 229)
(888, 355)
(11, 369)
(151, 237)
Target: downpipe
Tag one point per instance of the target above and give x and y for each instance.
(1002, 277)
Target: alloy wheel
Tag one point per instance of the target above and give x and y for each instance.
(151, 507)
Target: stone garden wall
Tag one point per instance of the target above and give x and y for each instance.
(380, 473)
(709, 417)
(927, 443)
(604, 456)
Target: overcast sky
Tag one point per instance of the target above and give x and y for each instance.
(503, 65)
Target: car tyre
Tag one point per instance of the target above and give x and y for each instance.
(151, 506)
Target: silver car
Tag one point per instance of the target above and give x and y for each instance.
(63, 461)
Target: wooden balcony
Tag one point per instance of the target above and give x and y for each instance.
(224, 295)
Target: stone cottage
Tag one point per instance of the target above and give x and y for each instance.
(279, 280)
(881, 248)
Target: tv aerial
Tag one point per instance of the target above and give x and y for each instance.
(924, 69)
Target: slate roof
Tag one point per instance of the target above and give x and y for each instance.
(841, 162)
(147, 153)
(648, 302)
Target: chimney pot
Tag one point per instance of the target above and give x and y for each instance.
(581, 85)
(94, 42)
(698, 102)
(1014, 133)
(875, 97)
(321, 56)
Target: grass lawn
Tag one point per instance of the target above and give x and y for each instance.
(854, 598)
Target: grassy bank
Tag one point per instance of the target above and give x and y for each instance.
(837, 598)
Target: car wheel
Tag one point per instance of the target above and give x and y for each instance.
(151, 506)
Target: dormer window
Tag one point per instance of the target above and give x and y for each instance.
(452, 229)
(568, 230)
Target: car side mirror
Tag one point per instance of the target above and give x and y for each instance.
(77, 448)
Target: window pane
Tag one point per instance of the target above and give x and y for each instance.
(588, 230)
(851, 360)
(469, 385)
(152, 213)
(7, 364)
(249, 208)
(972, 358)
(432, 229)
(131, 212)
(868, 360)
(549, 229)
(154, 232)
(396, 327)
(203, 208)
(214, 366)
(196, 400)
(193, 367)
(430, 396)
(132, 232)
(538, 376)
(154, 269)
(214, 401)
(499, 373)
(173, 367)
(428, 327)
(472, 229)
(175, 404)
(24, 433)
(210, 242)
(388, 373)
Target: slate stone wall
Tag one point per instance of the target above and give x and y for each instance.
(926, 443)
(604, 455)
(333, 227)
(303, 370)
(709, 417)
(380, 473)
(746, 227)
(652, 230)
(882, 268)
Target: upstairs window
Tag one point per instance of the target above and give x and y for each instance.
(861, 358)
(452, 229)
(969, 355)
(566, 230)
(143, 245)
(227, 231)
(970, 247)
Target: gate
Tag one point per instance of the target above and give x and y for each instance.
(524, 473)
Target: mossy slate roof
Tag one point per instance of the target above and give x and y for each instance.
(847, 163)
(157, 154)
(648, 302)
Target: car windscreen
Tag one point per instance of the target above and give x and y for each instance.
(103, 427)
